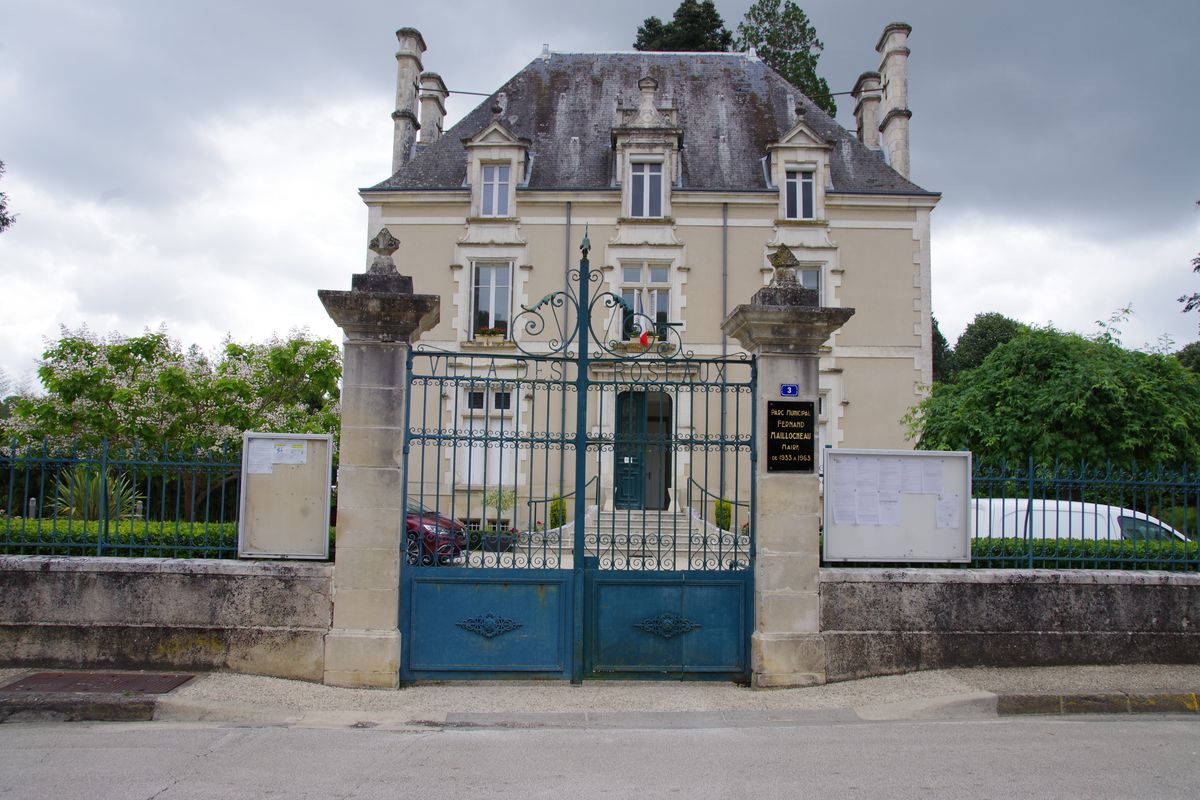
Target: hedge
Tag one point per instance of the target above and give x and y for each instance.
(127, 538)
(1085, 554)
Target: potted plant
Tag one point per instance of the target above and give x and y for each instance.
(491, 335)
(496, 540)
(496, 536)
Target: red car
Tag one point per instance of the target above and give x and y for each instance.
(432, 538)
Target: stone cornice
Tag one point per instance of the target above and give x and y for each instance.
(892, 26)
(895, 112)
(381, 316)
(785, 330)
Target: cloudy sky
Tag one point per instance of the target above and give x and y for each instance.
(196, 163)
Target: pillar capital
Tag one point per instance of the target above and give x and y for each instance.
(784, 329)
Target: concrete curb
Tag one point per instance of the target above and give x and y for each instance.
(75, 707)
(1101, 703)
(230, 707)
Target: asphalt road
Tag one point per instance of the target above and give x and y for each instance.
(1094, 757)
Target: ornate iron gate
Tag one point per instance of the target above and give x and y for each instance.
(579, 500)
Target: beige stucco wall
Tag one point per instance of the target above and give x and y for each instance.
(878, 391)
(879, 278)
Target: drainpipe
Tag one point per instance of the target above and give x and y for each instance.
(567, 269)
(724, 279)
(724, 314)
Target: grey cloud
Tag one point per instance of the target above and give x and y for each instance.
(1053, 113)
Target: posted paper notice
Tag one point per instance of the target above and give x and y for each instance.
(947, 514)
(259, 457)
(287, 452)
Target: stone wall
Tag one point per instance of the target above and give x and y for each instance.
(270, 618)
(884, 621)
(265, 618)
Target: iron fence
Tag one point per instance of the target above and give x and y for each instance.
(1085, 517)
(117, 502)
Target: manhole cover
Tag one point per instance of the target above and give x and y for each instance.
(114, 682)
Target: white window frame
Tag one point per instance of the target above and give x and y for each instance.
(495, 180)
(494, 267)
(797, 181)
(482, 463)
(649, 293)
(641, 173)
(490, 396)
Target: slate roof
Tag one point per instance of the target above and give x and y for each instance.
(565, 106)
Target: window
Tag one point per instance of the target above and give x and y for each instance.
(1143, 530)
(799, 195)
(495, 190)
(485, 455)
(491, 301)
(646, 189)
(501, 400)
(810, 278)
(647, 290)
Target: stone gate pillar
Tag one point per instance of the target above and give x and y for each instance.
(785, 327)
(380, 317)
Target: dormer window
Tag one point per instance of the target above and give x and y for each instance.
(498, 163)
(494, 194)
(799, 166)
(646, 141)
(800, 194)
(646, 189)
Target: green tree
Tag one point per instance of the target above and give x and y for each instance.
(983, 335)
(697, 25)
(1189, 356)
(6, 219)
(784, 38)
(1061, 396)
(281, 385)
(943, 356)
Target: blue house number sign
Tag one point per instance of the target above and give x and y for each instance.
(789, 390)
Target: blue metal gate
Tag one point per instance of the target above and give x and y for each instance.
(579, 500)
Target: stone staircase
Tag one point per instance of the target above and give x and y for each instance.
(638, 537)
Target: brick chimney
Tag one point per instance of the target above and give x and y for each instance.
(433, 106)
(893, 69)
(866, 109)
(408, 75)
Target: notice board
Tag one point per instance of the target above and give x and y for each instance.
(285, 495)
(897, 505)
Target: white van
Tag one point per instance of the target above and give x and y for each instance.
(1008, 518)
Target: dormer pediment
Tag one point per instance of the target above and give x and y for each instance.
(648, 122)
(496, 134)
(802, 136)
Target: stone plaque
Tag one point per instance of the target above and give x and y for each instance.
(791, 436)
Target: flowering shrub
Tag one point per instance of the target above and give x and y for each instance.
(148, 390)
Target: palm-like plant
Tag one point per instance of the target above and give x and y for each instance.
(85, 493)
